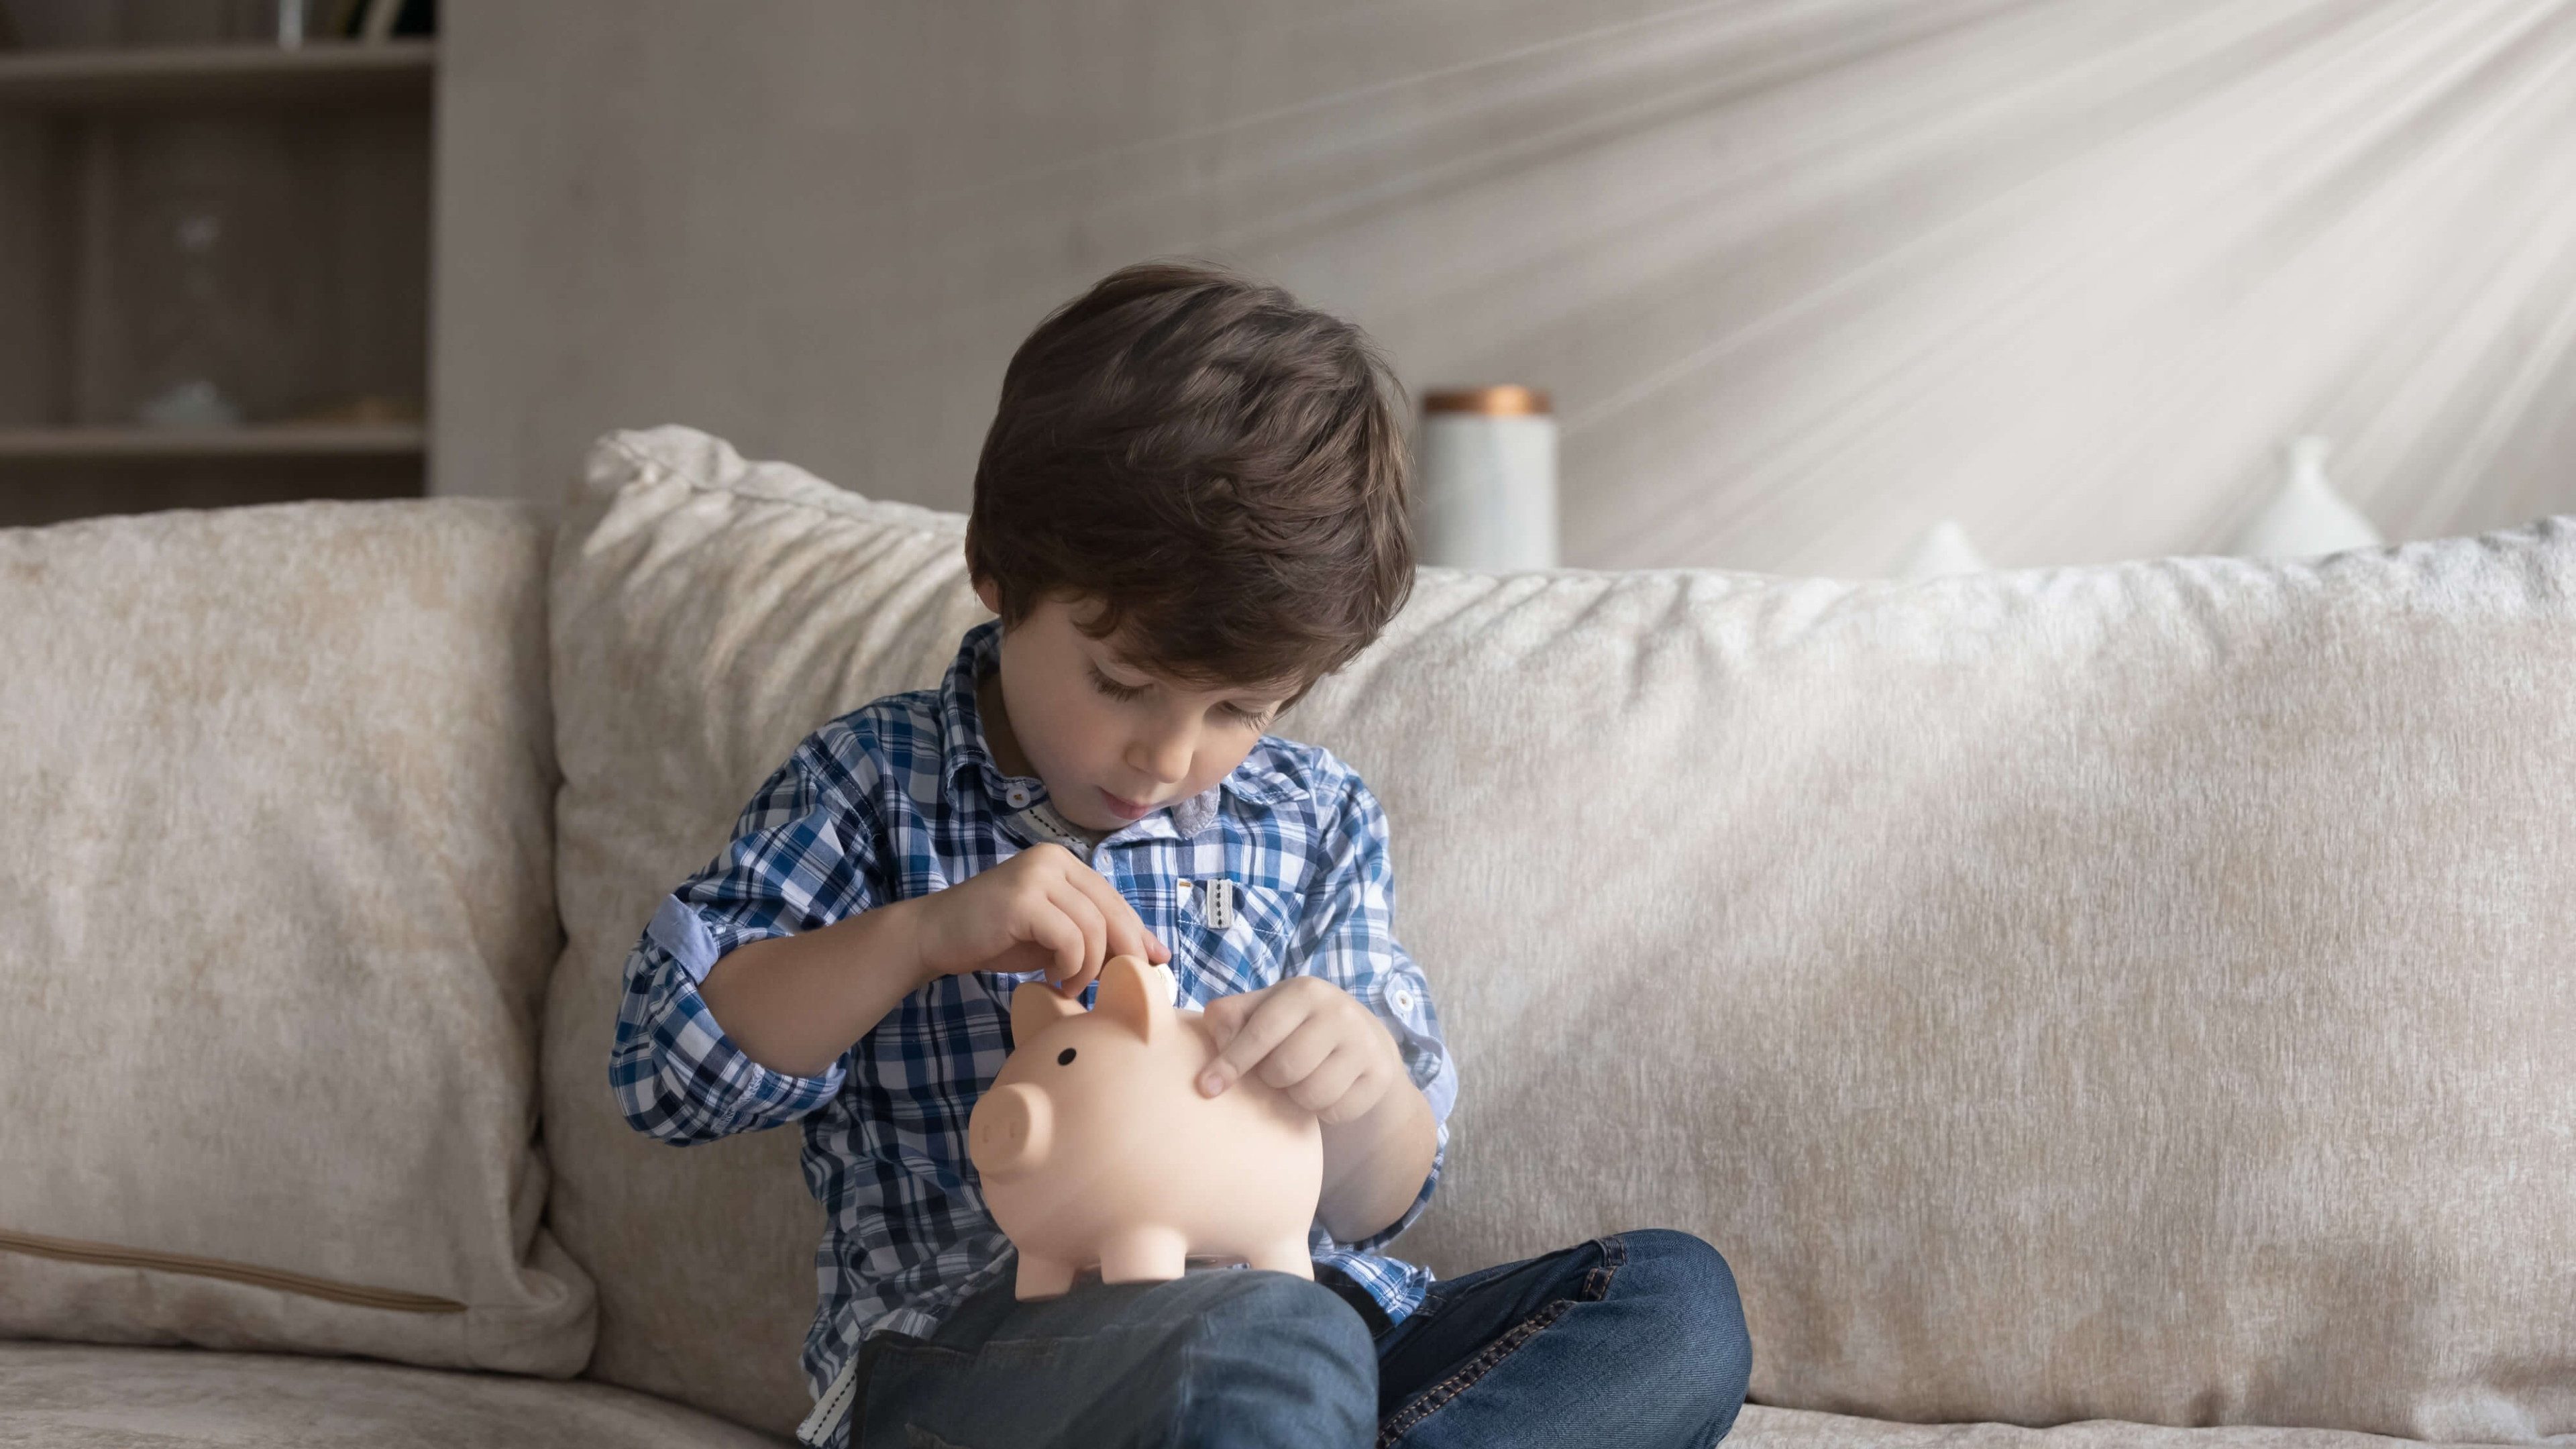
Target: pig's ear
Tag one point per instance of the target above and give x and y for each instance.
(1035, 1006)
(1135, 995)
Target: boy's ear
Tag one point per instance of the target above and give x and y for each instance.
(1035, 1006)
(1133, 994)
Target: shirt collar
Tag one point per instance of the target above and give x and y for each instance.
(1257, 781)
(962, 720)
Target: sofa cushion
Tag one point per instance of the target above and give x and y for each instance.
(706, 613)
(78, 1396)
(2134, 992)
(71, 1396)
(1760, 1427)
(280, 912)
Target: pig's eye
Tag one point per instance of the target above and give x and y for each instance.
(1064, 1058)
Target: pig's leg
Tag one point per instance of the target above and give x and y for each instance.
(1288, 1255)
(1144, 1254)
(1043, 1278)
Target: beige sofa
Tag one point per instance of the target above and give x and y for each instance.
(2133, 999)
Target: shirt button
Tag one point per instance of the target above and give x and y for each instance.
(1016, 795)
(1402, 998)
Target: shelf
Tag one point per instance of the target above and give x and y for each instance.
(275, 440)
(231, 75)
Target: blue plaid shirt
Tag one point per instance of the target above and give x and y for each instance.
(901, 797)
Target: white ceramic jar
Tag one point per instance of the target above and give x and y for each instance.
(1485, 479)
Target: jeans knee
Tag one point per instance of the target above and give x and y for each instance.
(1283, 1351)
(1689, 1291)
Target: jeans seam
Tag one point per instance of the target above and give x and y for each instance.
(1596, 1286)
(1438, 1395)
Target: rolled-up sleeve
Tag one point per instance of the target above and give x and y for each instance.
(1346, 934)
(801, 858)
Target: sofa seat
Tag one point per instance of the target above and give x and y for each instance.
(1759, 1427)
(87, 1396)
(76, 1396)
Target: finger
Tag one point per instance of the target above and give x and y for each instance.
(1022, 956)
(1366, 1093)
(1264, 1026)
(1053, 930)
(1326, 1089)
(1297, 1056)
(1224, 1015)
(1127, 933)
(1085, 915)
(1220, 1016)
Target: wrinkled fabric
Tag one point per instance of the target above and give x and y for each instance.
(74, 1396)
(278, 798)
(1768, 1428)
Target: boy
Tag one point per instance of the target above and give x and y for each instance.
(1189, 508)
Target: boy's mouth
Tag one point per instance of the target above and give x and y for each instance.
(1122, 807)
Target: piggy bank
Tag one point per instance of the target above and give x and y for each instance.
(1095, 1146)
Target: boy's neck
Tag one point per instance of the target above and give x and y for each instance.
(1006, 751)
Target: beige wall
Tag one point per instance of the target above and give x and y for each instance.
(1803, 277)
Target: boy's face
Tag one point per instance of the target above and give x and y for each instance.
(1112, 742)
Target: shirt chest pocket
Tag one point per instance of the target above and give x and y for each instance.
(1235, 935)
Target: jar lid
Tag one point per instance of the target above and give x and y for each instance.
(1504, 400)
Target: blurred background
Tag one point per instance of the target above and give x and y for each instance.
(1809, 286)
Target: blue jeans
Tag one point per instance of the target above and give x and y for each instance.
(1634, 1339)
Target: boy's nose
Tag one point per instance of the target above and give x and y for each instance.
(1167, 759)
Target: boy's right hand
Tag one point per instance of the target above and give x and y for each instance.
(1043, 909)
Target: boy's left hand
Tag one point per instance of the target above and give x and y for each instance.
(1309, 1038)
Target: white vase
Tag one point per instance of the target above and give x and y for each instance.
(2306, 517)
(1485, 478)
(1942, 552)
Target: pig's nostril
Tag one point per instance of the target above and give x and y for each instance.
(1064, 1058)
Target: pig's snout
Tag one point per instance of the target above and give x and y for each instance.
(1010, 1130)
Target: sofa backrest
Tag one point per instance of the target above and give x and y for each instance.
(2135, 992)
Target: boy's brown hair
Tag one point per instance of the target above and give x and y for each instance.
(1222, 468)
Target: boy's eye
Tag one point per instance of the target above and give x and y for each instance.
(1113, 688)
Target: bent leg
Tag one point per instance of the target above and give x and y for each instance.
(1218, 1357)
(1636, 1339)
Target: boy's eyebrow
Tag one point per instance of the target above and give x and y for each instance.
(1125, 660)
(1275, 689)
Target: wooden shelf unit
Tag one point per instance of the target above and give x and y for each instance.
(193, 207)
(320, 72)
(274, 440)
